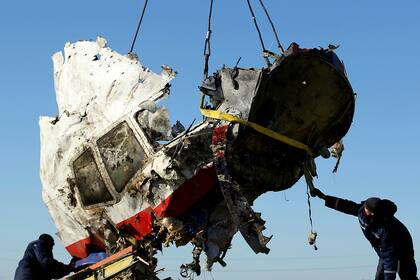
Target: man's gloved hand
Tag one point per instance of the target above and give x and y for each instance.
(70, 268)
(73, 264)
(318, 193)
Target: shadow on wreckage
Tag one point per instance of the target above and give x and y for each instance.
(125, 186)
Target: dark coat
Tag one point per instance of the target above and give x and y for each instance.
(38, 263)
(387, 235)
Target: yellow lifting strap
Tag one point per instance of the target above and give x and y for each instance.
(214, 114)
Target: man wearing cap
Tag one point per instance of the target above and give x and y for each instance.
(388, 236)
(38, 261)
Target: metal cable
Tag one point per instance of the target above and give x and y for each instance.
(258, 31)
(272, 26)
(207, 49)
(138, 25)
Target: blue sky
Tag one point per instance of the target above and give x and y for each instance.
(380, 48)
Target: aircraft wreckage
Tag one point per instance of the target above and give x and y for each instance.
(117, 175)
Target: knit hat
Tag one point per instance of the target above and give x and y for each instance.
(373, 204)
(381, 207)
(47, 239)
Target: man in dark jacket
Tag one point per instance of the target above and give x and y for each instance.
(38, 262)
(388, 236)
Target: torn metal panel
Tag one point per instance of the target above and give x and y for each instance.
(233, 90)
(95, 88)
(249, 223)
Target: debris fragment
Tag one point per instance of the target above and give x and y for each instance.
(337, 151)
(312, 239)
(116, 173)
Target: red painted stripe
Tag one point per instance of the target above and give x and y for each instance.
(80, 249)
(188, 193)
(174, 205)
(138, 225)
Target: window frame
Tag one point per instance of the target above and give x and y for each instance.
(102, 163)
(101, 174)
(93, 145)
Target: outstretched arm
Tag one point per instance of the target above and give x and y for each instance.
(343, 205)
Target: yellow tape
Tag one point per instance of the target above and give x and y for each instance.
(214, 114)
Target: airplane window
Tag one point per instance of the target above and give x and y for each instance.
(122, 154)
(88, 180)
